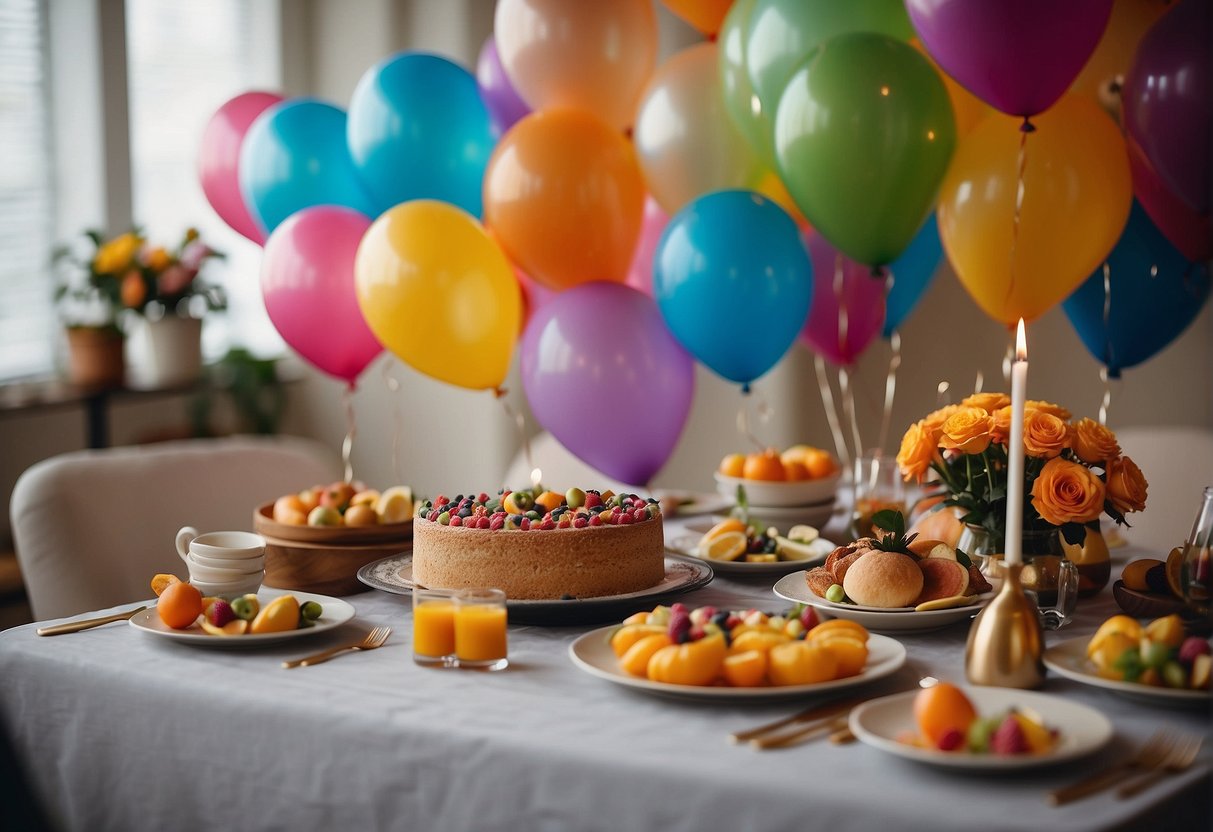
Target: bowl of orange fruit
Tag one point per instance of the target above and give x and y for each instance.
(802, 475)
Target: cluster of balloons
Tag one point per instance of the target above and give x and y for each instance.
(796, 177)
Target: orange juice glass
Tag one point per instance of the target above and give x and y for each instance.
(480, 619)
(433, 628)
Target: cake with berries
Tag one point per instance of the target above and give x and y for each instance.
(540, 545)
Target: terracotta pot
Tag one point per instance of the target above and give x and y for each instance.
(95, 357)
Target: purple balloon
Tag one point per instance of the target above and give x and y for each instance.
(606, 378)
(505, 105)
(1166, 98)
(861, 295)
(1017, 55)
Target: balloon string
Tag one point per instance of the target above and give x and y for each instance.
(519, 425)
(979, 383)
(762, 411)
(843, 323)
(1022, 166)
(827, 401)
(941, 393)
(351, 430)
(1109, 355)
(848, 408)
(1107, 396)
(890, 388)
(393, 387)
(1007, 358)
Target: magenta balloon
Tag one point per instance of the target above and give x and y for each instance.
(307, 280)
(504, 103)
(861, 295)
(219, 159)
(1188, 231)
(1167, 104)
(652, 223)
(1017, 55)
(606, 378)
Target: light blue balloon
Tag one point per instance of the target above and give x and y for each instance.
(912, 274)
(294, 156)
(418, 129)
(1155, 293)
(733, 282)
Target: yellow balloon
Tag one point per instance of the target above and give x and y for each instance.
(439, 293)
(1105, 70)
(1076, 197)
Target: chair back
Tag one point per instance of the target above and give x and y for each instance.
(92, 527)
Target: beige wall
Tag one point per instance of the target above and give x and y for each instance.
(442, 438)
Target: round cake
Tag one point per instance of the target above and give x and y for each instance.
(545, 546)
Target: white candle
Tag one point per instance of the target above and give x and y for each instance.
(1019, 389)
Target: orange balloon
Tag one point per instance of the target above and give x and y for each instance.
(589, 54)
(1076, 197)
(704, 15)
(563, 194)
(968, 109)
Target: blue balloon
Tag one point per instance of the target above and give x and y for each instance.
(733, 282)
(294, 156)
(1155, 293)
(419, 129)
(912, 274)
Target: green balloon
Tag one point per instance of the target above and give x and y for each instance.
(780, 34)
(863, 136)
(735, 86)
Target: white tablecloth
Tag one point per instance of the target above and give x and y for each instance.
(120, 730)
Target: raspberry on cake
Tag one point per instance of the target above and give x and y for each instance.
(540, 545)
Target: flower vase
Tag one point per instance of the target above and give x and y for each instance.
(1048, 576)
(95, 356)
(167, 352)
(1093, 561)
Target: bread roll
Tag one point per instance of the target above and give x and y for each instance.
(883, 579)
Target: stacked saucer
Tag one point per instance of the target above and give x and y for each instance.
(788, 503)
(223, 564)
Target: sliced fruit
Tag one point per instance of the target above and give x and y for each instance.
(395, 504)
(851, 653)
(1134, 574)
(801, 663)
(1168, 630)
(747, 669)
(795, 549)
(235, 627)
(732, 524)
(1116, 624)
(1110, 648)
(833, 624)
(278, 616)
(763, 558)
(942, 578)
(803, 534)
(161, 581)
(246, 607)
(635, 659)
(727, 546)
(946, 603)
(1202, 666)
(549, 500)
(693, 663)
(760, 640)
(942, 551)
(629, 634)
(1175, 572)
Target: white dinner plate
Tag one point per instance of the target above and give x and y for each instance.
(881, 722)
(1069, 659)
(592, 653)
(882, 620)
(335, 613)
(686, 545)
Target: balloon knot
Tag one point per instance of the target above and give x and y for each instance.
(745, 389)
(1027, 126)
(1114, 372)
(879, 272)
(499, 392)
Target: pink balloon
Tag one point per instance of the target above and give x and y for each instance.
(219, 159)
(652, 224)
(1188, 231)
(307, 280)
(861, 295)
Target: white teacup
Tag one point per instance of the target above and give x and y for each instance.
(219, 545)
(228, 589)
(222, 563)
(239, 565)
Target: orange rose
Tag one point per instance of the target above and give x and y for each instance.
(1044, 435)
(988, 402)
(1066, 492)
(967, 430)
(1126, 485)
(918, 449)
(133, 290)
(935, 419)
(1094, 443)
(1002, 424)
(1048, 407)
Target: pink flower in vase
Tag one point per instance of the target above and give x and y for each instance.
(175, 279)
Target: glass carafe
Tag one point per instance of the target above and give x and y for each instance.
(1197, 572)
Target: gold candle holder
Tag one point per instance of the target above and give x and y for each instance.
(1005, 642)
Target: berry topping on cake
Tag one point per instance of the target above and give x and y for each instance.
(539, 510)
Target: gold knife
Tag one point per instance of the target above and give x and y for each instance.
(88, 623)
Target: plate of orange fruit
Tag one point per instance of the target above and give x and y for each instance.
(799, 476)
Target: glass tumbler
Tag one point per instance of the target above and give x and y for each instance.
(480, 619)
(877, 486)
(433, 628)
(1196, 574)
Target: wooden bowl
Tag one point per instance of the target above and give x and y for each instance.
(325, 559)
(1146, 604)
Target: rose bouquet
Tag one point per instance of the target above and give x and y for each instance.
(1074, 471)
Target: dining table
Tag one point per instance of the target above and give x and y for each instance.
(115, 728)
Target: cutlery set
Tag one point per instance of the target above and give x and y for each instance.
(1162, 754)
(829, 720)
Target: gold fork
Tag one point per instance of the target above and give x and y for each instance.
(1180, 758)
(375, 638)
(1150, 755)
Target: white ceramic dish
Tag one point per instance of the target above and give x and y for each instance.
(245, 565)
(881, 722)
(1069, 659)
(336, 612)
(228, 588)
(686, 545)
(592, 653)
(780, 494)
(817, 515)
(903, 619)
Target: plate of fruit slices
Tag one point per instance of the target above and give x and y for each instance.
(335, 612)
(1069, 659)
(592, 653)
(879, 619)
(792, 554)
(889, 724)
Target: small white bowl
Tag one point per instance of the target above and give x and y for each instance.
(243, 566)
(228, 589)
(780, 494)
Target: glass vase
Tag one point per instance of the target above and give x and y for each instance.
(1093, 561)
(1048, 576)
(1196, 572)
